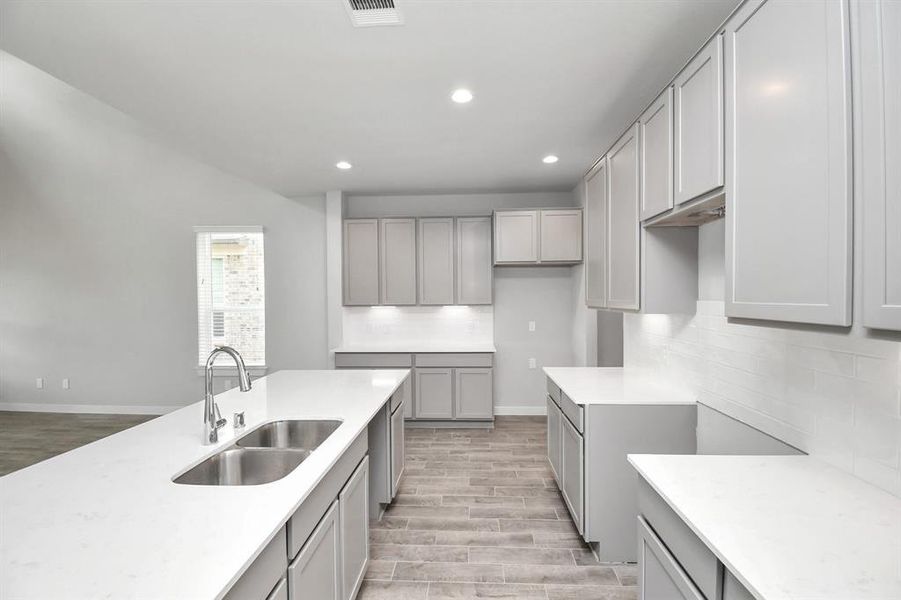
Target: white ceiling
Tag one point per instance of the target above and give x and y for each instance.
(277, 92)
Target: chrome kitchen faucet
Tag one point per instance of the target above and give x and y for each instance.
(212, 419)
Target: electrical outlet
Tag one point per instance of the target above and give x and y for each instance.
(531, 325)
(66, 383)
(39, 383)
(533, 363)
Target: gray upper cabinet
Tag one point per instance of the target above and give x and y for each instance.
(655, 133)
(475, 284)
(397, 272)
(474, 393)
(698, 124)
(877, 125)
(788, 168)
(595, 198)
(622, 223)
(436, 261)
(560, 235)
(516, 236)
(361, 262)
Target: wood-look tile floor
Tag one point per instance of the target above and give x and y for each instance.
(27, 438)
(478, 515)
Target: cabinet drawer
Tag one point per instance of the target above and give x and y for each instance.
(574, 412)
(402, 394)
(734, 590)
(659, 574)
(264, 573)
(454, 360)
(553, 390)
(692, 554)
(280, 591)
(373, 360)
(302, 523)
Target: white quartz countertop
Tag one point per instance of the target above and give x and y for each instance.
(788, 527)
(417, 347)
(106, 520)
(616, 385)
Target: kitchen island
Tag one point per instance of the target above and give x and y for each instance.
(107, 521)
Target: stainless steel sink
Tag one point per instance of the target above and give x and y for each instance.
(304, 435)
(264, 455)
(244, 466)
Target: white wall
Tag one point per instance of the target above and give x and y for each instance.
(97, 275)
(542, 294)
(833, 392)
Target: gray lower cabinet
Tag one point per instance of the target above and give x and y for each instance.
(280, 591)
(353, 506)
(554, 451)
(474, 394)
(316, 572)
(434, 393)
(572, 471)
(587, 451)
(660, 577)
(397, 448)
(264, 575)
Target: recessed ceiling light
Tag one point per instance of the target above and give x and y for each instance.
(461, 96)
(550, 159)
(343, 165)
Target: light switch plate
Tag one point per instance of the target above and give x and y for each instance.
(39, 383)
(531, 325)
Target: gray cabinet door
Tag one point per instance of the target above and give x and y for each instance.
(353, 503)
(475, 281)
(561, 235)
(622, 223)
(474, 393)
(361, 262)
(596, 235)
(659, 575)
(877, 123)
(516, 236)
(407, 387)
(397, 449)
(553, 439)
(436, 261)
(316, 572)
(434, 394)
(698, 124)
(572, 468)
(655, 134)
(397, 238)
(788, 210)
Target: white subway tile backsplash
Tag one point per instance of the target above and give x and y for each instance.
(835, 394)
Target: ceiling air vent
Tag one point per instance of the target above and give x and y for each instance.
(370, 13)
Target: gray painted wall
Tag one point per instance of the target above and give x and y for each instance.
(711, 260)
(97, 273)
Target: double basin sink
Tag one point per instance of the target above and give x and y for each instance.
(263, 455)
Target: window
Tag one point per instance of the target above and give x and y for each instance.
(231, 293)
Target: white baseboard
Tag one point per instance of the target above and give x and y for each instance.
(95, 409)
(520, 410)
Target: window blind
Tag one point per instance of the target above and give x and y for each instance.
(231, 293)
